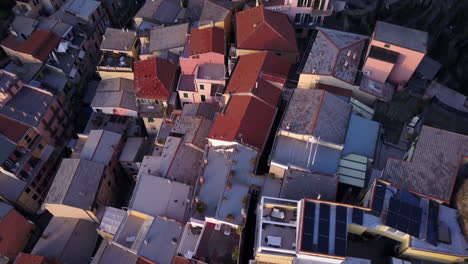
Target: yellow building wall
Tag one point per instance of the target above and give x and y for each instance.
(432, 256)
(308, 81)
(270, 258)
(115, 74)
(38, 152)
(24, 58)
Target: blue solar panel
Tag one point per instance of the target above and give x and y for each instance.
(377, 204)
(307, 243)
(309, 209)
(378, 199)
(340, 247)
(324, 211)
(403, 216)
(358, 216)
(391, 220)
(324, 227)
(432, 220)
(308, 225)
(340, 230)
(322, 246)
(341, 214)
(409, 198)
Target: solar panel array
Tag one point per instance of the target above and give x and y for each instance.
(324, 228)
(404, 216)
(357, 216)
(308, 227)
(340, 230)
(325, 224)
(432, 235)
(379, 197)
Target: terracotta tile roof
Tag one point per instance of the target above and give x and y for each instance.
(39, 45)
(154, 78)
(255, 73)
(142, 260)
(12, 129)
(245, 117)
(15, 230)
(262, 29)
(207, 40)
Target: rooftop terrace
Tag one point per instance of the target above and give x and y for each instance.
(216, 246)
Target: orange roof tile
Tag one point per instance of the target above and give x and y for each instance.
(39, 45)
(15, 230)
(24, 258)
(207, 40)
(246, 119)
(154, 78)
(262, 29)
(12, 129)
(254, 73)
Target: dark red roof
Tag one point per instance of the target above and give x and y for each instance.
(154, 78)
(24, 258)
(207, 40)
(262, 29)
(12, 129)
(255, 73)
(246, 117)
(39, 45)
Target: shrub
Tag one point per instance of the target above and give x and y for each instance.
(200, 207)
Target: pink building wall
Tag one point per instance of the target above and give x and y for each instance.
(407, 62)
(188, 65)
(290, 9)
(379, 70)
(196, 97)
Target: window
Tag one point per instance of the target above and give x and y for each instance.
(303, 3)
(387, 46)
(150, 120)
(28, 138)
(108, 183)
(40, 147)
(35, 197)
(28, 190)
(185, 95)
(202, 87)
(203, 99)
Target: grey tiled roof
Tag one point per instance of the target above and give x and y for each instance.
(164, 38)
(298, 184)
(118, 40)
(318, 113)
(117, 92)
(335, 53)
(433, 168)
(28, 105)
(76, 183)
(216, 11)
(401, 36)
